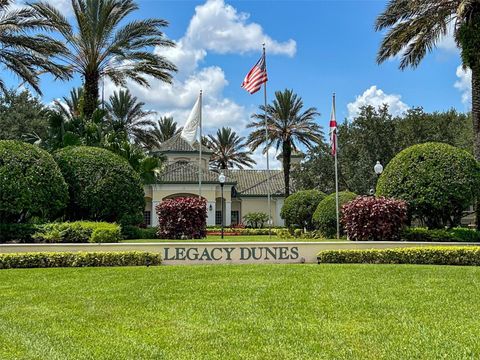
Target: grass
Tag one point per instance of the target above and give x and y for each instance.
(241, 312)
(236, 238)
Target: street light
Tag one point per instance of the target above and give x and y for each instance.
(221, 180)
(378, 168)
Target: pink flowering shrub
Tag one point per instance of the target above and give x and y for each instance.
(374, 218)
(182, 218)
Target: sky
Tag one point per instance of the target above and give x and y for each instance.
(313, 47)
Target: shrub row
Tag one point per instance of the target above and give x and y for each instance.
(440, 235)
(467, 255)
(245, 231)
(130, 232)
(17, 232)
(78, 232)
(78, 259)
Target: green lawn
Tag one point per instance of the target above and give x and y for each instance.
(241, 312)
(237, 238)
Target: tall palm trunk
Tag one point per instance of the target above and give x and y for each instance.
(90, 93)
(287, 152)
(476, 124)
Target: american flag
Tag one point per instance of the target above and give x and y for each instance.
(256, 77)
(333, 130)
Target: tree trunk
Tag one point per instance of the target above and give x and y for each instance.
(476, 125)
(90, 93)
(287, 152)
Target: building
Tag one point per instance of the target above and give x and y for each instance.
(244, 191)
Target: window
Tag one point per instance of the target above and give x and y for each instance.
(147, 218)
(218, 217)
(235, 217)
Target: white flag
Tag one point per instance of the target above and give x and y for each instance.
(189, 132)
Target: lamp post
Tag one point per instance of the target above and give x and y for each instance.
(221, 180)
(378, 168)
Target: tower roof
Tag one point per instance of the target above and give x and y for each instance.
(176, 144)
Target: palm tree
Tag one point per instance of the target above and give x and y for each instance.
(99, 46)
(415, 27)
(287, 126)
(144, 164)
(27, 55)
(164, 129)
(70, 107)
(227, 150)
(125, 115)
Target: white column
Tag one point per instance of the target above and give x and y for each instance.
(154, 218)
(278, 207)
(228, 213)
(211, 213)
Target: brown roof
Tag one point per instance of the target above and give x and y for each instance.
(176, 144)
(254, 182)
(186, 173)
(246, 182)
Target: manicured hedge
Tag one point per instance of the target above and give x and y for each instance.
(325, 216)
(441, 235)
(31, 184)
(182, 218)
(434, 255)
(78, 232)
(17, 232)
(130, 232)
(438, 181)
(78, 259)
(102, 186)
(298, 209)
(374, 218)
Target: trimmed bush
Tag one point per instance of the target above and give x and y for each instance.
(369, 218)
(182, 218)
(78, 259)
(17, 232)
(255, 220)
(325, 216)
(441, 235)
(31, 184)
(102, 185)
(434, 255)
(78, 232)
(438, 182)
(130, 232)
(299, 207)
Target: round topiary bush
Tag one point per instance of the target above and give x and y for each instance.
(31, 184)
(438, 181)
(325, 216)
(299, 207)
(102, 185)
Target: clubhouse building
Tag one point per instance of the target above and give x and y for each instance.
(244, 191)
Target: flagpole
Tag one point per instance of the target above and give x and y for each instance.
(268, 148)
(336, 172)
(200, 150)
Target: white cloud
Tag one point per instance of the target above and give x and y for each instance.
(377, 97)
(447, 42)
(464, 85)
(218, 27)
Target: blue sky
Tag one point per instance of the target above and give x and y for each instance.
(313, 47)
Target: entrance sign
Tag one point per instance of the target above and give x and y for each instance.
(229, 253)
(209, 253)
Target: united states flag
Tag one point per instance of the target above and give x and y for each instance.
(333, 131)
(256, 77)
